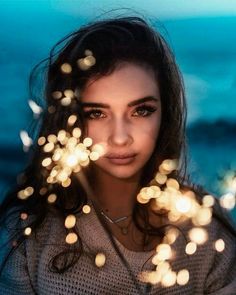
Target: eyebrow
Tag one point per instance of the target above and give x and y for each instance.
(131, 104)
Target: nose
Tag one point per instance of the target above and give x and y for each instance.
(120, 133)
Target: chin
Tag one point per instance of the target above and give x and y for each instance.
(124, 172)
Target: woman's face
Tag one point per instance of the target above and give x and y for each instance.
(123, 113)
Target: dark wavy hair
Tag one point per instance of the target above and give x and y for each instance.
(112, 42)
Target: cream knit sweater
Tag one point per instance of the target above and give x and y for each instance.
(26, 272)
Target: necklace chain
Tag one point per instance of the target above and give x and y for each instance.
(124, 229)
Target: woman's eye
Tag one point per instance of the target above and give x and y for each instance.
(94, 114)
(144, 111)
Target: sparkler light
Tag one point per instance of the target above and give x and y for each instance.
(65, 154)
(100, 260)
(180, 205)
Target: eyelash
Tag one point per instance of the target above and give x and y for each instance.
(147, 108)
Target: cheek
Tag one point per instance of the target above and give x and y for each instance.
(96, 132)
(148, 131)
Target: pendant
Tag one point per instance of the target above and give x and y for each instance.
(124, 230)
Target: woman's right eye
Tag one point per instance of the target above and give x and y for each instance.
(94, 114)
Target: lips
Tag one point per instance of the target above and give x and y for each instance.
(121, 159)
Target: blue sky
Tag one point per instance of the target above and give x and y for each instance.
(164, 9)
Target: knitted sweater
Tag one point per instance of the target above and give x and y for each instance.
(27, 272)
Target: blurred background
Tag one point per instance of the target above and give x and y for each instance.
(202, 36)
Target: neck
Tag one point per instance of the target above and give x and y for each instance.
(115, 196)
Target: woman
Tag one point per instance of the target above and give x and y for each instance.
(74, 227)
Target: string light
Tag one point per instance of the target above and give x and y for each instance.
(100, 260)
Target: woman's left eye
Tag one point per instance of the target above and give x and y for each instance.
(144, 111)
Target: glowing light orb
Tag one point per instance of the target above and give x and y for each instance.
(71, 238)
(227, 201)
(70, 221)
(86, 209)
(100, 260)
(66, 68)
(27, 231)
(198, 235)
(182, 277)
(191, 248)
(220, 245)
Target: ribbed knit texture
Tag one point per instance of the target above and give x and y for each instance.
(27, 272)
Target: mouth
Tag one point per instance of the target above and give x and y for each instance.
(121, 159)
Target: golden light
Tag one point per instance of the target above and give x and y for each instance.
(65, 101)
(163, 252)
(71, 238)
(86, 62)
(152, 277)
(52, 198)
(46, 162)
(87, 142)
(72, 160)
(41, 140)
(66, 182)
(98, 148)
(227, 201)
(25, 193)
(57, 94)
(183, 204)
(228, 182)
(23, 216)
(27, 231)
(70, 221)
(68, 155)
(208, 201)
(94, 156)
(141, 200)
(66, 68)
(48, 147)
(191, 248)
(160, 178)
(182, 277)
(86, 209)
(169, 165)
(100, 260)
(169, 279)
(89, 60)
(43, 191)
(172, 183)
(76, 132)
(71, 120)
(88, 52)
(69, 93)
(52, 139)
(203, 216)
(198, 235)
(171, 236)
(220, 245)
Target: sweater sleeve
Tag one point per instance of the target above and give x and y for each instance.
(14, 277)
(221, 279)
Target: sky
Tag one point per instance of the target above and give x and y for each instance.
(165, 9)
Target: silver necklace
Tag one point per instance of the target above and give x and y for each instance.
(124, 229)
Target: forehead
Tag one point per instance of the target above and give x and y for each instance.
(126, 83)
